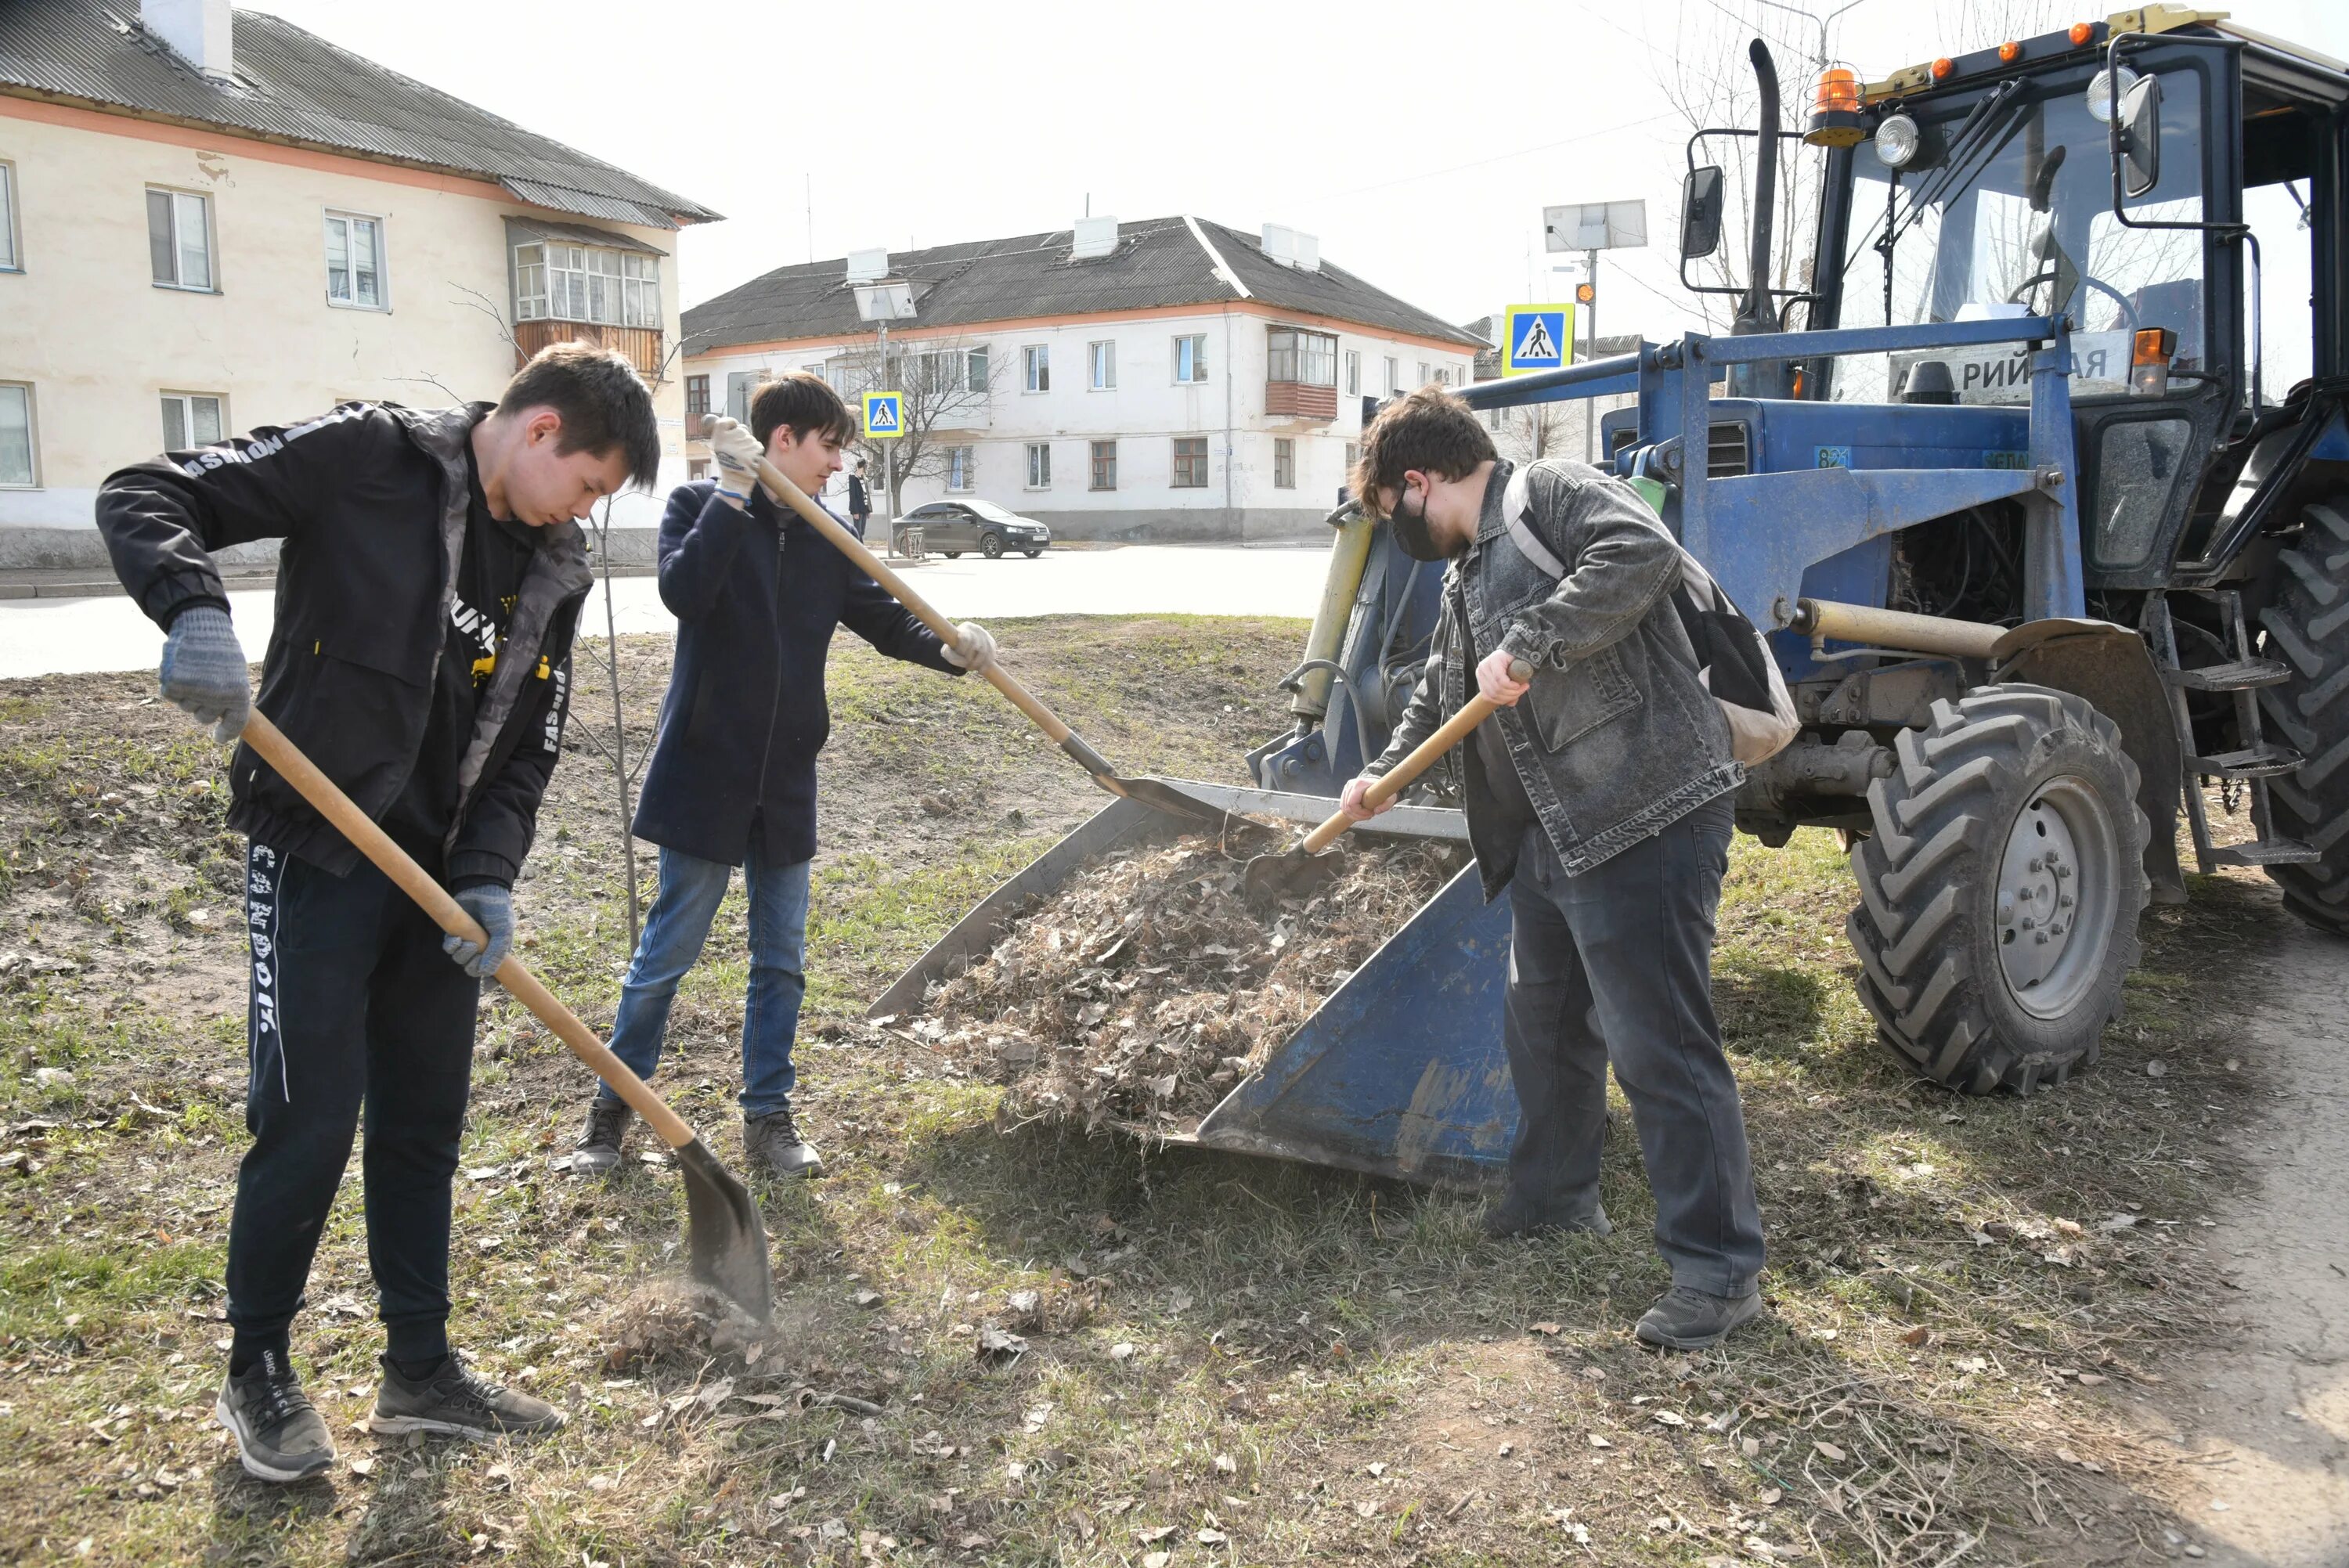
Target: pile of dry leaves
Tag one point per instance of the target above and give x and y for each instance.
(1147, 985)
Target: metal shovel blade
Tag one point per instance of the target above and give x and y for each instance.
(1294, 873)
(727, 1238)
(1163, 797)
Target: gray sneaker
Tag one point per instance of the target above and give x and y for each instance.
(773, 1145)
(1687, 1319)
(601, 1141)
(279, 1437)
(458, 1401)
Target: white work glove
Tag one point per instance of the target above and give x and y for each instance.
(972, 649)
(738, 453)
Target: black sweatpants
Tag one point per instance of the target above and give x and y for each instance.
(353, 1007)
(1616, 965)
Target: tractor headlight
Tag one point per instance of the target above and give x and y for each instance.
(2101, 94)
(1896, 141)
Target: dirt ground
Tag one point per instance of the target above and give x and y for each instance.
(2051, 1330)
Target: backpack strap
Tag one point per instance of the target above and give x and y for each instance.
(1517, 501)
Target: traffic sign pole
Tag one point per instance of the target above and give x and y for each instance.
(1590, 405)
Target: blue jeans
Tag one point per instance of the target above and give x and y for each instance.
(691, 889)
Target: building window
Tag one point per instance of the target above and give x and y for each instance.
(1104, 476)
(1103, 359)
(975, 366)
(586, 283)
(1423, 377)
(1309, 358)
(962, 468)
(355, 262)
(1395, 375)
(11, 254)
(1190, 463)
(179, 240)
(1353, 456)
(191, 420)
(1353, 373)
(1191, 357)
(697, 401)
(1283, 463)
(1037, 361)
(16, 445)
(1039, 465)
(697, 469)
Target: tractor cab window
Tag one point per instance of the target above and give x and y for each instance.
(2005, 210)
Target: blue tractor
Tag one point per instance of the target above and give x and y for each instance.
(2039, 552)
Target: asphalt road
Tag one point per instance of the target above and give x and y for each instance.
(66, 637)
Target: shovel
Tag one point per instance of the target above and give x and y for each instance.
(729, 1241)
(1149, 791)
(1302, 868)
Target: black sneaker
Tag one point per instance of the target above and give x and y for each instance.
(1686, 1319)
(600, 1142)
(458, 1401)
(279, 1435)
(773, 1145)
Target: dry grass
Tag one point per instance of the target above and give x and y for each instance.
(1225, 1359)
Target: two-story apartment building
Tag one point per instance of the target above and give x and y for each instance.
(1173, 380)
(212, 220)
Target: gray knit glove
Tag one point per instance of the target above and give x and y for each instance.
(492, 906)
(203, 670)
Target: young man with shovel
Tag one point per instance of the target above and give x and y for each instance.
(757, 593)
(428, 586)
(1599, 795)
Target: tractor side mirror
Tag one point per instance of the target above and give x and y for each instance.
(1700, 213)
(2140, 136)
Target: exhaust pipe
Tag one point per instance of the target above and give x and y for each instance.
(1758, 313)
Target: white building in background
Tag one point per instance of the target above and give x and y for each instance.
(1174, 379)
(212, 220)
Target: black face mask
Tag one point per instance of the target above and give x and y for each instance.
(1411, 530)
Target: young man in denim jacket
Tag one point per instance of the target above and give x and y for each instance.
(1600, 797)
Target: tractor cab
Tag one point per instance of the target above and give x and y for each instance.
(2172, 185)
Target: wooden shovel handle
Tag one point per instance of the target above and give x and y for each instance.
(1389, 784)
(394, 863)
(777, 485)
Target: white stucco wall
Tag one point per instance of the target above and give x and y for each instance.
(1146, 411)
(85, 323)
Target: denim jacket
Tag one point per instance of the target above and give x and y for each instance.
(1616, 740)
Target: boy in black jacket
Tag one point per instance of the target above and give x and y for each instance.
(428, 587)
(757, 593)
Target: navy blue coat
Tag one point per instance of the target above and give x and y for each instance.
(734, 762)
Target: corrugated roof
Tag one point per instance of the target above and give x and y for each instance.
(1157, 263)
(295, 86)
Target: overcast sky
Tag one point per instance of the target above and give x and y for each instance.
(1419, 142)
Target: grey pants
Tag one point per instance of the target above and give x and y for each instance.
(1616, 965)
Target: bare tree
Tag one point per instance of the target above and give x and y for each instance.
(949, 386)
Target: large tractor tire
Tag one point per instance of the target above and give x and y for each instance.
(2307, 626)
(2000, 888)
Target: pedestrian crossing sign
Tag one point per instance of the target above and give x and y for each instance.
(884, 414)
(1536, 337)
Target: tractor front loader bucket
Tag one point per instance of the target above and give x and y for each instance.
(1400, 1072)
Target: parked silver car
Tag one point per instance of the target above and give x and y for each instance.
(951, 527)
